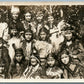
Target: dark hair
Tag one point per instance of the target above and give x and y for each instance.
(67, 53)
(54, 57)
(46, 31)
(13, 26)
(28, 30)
(20, 51)
(25, 12)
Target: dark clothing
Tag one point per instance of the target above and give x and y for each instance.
(16, 70)
(16, 24)
(27, 48)
(73, 70)
(4, 57)
(75, 45)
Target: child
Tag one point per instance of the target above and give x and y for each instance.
(13, 42)
(42, 45)
(14, 19)
(19, 64)
(53, 71)
(71, 68)
(27, 44)
(40, 22)
(28, 22)
(70, 43)
(34, 70)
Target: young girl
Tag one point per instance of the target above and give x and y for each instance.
(27, 44)
(40, 23)
(19, 64)
(42, 45)
(13, 42)
(72, 69)
(53, 71)
(34, 70)
(28, 22)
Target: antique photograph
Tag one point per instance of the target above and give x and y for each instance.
(41, 41)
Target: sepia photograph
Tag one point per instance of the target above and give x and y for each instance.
(41, 41)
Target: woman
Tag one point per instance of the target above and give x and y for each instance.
(72, 68)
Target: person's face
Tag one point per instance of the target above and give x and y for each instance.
(43, 36)
(13, 32)
(1, 69)
(27, 16)
(51, 61)
(43, 61)
(68, 35)
(39, 18)
(50, 19)
(15, 16)
(19, 57)
(28, 36)
(65, 59)
(33, 62)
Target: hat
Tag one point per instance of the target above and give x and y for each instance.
(2, 41)
(19, 51)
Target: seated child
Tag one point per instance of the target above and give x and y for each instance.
(34, 70)
(53, 71)
(17, 68)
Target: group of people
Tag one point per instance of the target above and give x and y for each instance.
(37, 48)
